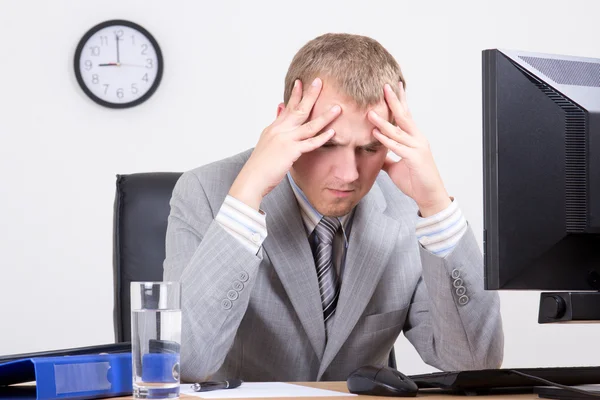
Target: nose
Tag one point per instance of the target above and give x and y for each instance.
(346, 169)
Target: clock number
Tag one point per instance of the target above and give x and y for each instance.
(88, 65)
(103, 40)
(95, 79)
(145, 49)
(120, 93)
(145, 78)
(133, 40)
(95, 51)
(119, 33)
(149, 63)
(134, 88)
(106, 88)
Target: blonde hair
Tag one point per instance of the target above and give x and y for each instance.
(357, 66)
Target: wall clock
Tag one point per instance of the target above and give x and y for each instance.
(118, 64)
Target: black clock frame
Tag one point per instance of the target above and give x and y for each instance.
(129, 24)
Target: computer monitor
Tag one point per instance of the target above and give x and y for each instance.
(541, 169)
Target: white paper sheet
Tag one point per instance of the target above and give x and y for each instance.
(262, 389)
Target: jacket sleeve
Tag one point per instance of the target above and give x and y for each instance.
(216, 272)
(453, 322)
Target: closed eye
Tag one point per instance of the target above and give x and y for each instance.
(372, 148)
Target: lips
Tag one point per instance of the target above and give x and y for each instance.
(340, 193)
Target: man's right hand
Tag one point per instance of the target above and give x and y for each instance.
(282, 143)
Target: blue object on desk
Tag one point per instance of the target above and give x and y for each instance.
(72, 377)
(160, 368)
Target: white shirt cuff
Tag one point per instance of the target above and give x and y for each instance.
(243, 222)
(441, 232)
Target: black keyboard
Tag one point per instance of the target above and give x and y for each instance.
(480, 381)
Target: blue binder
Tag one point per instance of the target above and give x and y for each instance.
(69, 377)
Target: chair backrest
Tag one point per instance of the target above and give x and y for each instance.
(140, 225)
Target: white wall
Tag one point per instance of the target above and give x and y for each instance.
(225, 65)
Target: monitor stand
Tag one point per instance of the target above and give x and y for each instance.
(569, 307)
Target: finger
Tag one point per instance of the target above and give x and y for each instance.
(296, 95)
(293, 101)
(315, 142)
(399, 107)
(393, 102)
(393, 132)
(398, 148)
(311, 128)
(301, 111)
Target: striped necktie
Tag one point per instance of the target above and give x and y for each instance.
(326, 273)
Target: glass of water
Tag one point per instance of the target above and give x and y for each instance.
(155, 339)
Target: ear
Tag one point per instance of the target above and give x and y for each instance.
(280, 109)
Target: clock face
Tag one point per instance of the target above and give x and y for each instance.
(118, 64)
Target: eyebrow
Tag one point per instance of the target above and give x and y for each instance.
(374, 144)
(334, 142)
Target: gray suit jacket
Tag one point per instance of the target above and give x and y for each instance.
(273, 330)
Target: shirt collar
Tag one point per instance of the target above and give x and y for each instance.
(311, 217)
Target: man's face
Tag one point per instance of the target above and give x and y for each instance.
(336, 176)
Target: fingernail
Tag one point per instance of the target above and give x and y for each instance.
(373, 114)
(329, 132)
(335, 109)
(388, 87)
(316, 82)
(295, 83)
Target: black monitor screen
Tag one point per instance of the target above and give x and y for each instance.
(541, 161)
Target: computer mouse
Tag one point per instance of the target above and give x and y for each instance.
(379, 380)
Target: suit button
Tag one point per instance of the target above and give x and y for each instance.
(460, 290)
(462, 300)
(455, 273)
(232, 295)
(238, 286)
(243, 276)
(226, 304)
(255, 237)
(457, 283)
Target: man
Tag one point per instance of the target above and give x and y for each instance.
(305, 258)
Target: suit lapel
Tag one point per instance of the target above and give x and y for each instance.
(289, 251)
(371, 242)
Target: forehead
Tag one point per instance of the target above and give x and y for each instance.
(353, 122)
(330, 96)
(329, 93)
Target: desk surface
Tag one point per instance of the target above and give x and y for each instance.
(341, 387)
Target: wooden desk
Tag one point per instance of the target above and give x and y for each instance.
(341, 387)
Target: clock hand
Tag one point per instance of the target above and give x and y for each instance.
(118, 56)
(117, 64)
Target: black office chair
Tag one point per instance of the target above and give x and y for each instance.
(140, 224)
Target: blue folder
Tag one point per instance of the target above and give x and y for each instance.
(68, 377)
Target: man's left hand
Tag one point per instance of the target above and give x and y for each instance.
(415, 174)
